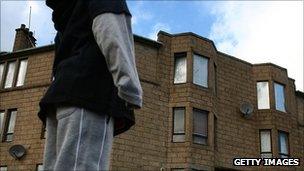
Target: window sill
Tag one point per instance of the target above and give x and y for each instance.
(272, 110)
(200, 87)
(200, 146)
(24, 87)
(180, 83)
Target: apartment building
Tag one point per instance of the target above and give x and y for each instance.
(193, 108)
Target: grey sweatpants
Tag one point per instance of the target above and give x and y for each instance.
(77, 139)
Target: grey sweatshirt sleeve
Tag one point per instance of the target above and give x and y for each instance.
(114, 37)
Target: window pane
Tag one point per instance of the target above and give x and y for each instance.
(39, 167)
(1, 122)
(200, 70)
(199, 139)
(179, 138)
(10, 75)
(179, 126)
(177, 169)
(283, 143)
(1, 71)
(22, 72)
(279, 97)
(12, 120)
(3, 168)
(265, 141)
(11, 125)
(200, 119)
(180, 73)
(266, 155)
(263, 95)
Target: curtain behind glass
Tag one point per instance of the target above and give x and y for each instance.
(200, 70)
(180, 70)
(10, 75)
(22, 72)
(265, 141)
(200, 123)
(263, 95)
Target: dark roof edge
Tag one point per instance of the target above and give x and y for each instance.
(28, 51)
(188, 34)
(52, 47)
(222, 53)
(235, 58)
(300, 94)
(270, 64)
(147, 41)
(206, 39)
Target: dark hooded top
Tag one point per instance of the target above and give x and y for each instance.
(81, 76)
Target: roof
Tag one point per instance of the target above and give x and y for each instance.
(300, 94)
(188, 34)
(219, 52)
(51, 47)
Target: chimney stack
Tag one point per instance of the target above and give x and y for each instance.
(24, 38)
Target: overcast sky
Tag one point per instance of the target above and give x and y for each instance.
(257, 32)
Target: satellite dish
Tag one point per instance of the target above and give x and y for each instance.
(247, 109)
(17, 151)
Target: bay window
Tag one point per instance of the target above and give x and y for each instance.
(200, 126)
(200, 70)
(263, 95)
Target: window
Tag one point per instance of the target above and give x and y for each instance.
(13, 73)
(21, 72)
(200, 126)
(265, 142)
(215, 79)
(200, 70)
(39, 167)
(279, 97)
(283, 144)
(3, 168)
(9, 131)
(180, 68)
(9, 78)
(1, 72)
(179, 125)
(263, 95)
(1, 122)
